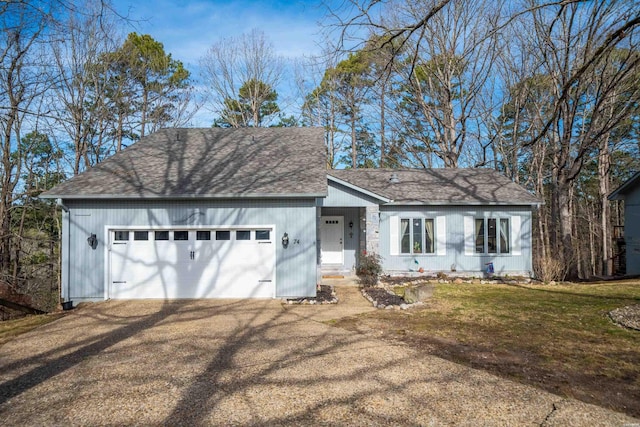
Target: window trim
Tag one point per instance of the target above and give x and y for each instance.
(222, 235)
(138, 234)
(180, 231)
(124, 237)
(203, 235)
(423, 237)
(498, 231)
(156, 234)
(259, 233)
(236, 233)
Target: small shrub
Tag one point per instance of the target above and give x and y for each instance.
(549, 269)
(369, 269)
(441, 275)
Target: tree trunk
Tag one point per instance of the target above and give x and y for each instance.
(565, 218)
(18, 247)
(354, 145)
(604, 167)
(5, 236)
(382, 123)
(592, 243)
(143, 111)
(78, 155)
(119, 133)
(6, 201)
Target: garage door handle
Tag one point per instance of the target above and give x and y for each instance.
(120, 281)
(265, 242)
(263, 281)
(192, 255)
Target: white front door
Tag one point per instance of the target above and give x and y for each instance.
(331, 239)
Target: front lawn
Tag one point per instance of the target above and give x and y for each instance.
(556, 337)
(9, 329)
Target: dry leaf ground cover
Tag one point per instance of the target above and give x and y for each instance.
(559, 337)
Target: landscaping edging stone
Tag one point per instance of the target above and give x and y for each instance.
(391, 299)
(628, 317)
(379, 300)
(324, 295)
(443, 278)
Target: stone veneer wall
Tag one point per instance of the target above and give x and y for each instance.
(372, 227)
(363, 232)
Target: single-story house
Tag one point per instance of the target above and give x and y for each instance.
(629, 191)
(253, 212)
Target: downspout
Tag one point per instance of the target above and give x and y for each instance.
(59, 203)
(65, 209)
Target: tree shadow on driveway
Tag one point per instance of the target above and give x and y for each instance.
(222, 362)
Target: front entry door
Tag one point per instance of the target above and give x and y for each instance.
(331, 239)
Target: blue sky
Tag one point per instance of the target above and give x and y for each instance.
(188, 28)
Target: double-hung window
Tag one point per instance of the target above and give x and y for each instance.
(417, 236)
(492, 236)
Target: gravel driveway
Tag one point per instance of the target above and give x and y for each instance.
(230, 362)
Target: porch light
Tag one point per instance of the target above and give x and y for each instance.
(285, 240)
(351, 224)
(92, 240)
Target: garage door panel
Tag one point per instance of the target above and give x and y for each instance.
(247, 270)
(193, 268)
(141, 270)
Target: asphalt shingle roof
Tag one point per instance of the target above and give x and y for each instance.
(439, 186)
(174, 163)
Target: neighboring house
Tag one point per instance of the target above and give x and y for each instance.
(630, 193)
(252, 212)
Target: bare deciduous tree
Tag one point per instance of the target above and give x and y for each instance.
(575, 42)
(22, 83)
(443, 76)
(247, 62)
(81, 91)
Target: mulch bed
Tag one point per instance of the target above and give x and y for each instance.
(324, 295)
(382, 298)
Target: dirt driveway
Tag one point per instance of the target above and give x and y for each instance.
(231, 362)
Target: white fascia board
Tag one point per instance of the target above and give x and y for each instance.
(618, 193)
(187, 197)
(447, 203)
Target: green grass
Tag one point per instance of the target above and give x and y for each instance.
(9, 329)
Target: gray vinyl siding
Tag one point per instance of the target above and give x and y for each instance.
(84, 269)
(351, 236)
(455, 246)
(632, 230)
(343, 196)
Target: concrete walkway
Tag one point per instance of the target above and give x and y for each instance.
(254, 363)
(350, 302)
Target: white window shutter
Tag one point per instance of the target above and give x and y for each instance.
(469, 235)
(394, 235)
(516, 231)
(441, 235)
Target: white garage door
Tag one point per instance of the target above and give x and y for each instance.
(204, 263)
